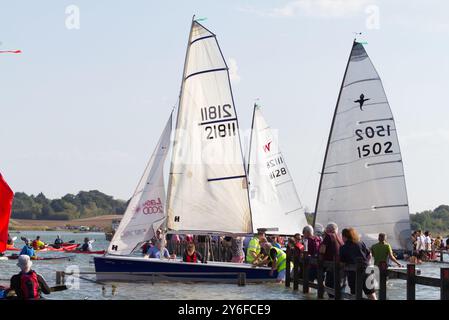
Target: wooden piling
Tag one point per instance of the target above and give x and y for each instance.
(359, 279)
(320, 279)
(337, 280)
(383, 271)
(411, 282)
(288, 260)
(295, 269)
(241, 279)
(444, 286)
(305, 273)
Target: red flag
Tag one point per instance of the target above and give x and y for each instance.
(6, 196)
(11, 51)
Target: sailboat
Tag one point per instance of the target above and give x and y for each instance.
(275, 204)
(362, 181)
(207, 190)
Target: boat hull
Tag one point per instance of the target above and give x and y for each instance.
(120, 268)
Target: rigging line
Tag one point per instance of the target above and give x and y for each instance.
(362, 182)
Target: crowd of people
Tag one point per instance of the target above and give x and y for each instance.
(426, 247)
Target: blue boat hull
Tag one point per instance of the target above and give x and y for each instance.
(119, 268)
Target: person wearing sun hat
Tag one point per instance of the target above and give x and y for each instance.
(27, 284)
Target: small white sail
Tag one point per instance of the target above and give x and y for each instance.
(146, 210)
(362, 183)
(274, 201)
(207, 188)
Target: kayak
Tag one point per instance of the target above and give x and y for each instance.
(47, 249)
(15, 257)
(86, 252)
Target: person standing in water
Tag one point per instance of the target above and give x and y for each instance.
(382, 251)
(28, 285)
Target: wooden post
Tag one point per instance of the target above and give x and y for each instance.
(241, 279)
(337, 280)
(383, 272)
(359, 278)
(444, 286)
(320, 279)
(59, 277)
(295, 269)
(305, 273)
(288, 259)
(411, 282)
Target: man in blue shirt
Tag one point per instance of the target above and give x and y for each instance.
(155, 252)
(28, 249)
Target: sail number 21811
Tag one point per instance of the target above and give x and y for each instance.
(218, 121)
(375, 148)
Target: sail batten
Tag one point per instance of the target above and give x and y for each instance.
(363, 183)
(208, 187)
(274, 201)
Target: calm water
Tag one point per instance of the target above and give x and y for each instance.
(123, 291)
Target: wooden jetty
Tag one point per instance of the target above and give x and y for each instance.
(302, 263)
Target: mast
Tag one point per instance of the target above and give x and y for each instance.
(251, 138)
(177, 118)
(330, 134)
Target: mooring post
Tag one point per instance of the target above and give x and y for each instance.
(288, 260)
(359, 278)
(305, 273)
(59, 277)
(241, 279)
(411, 282)
(320, 279)
(295, 269)
(383, 271)
(337, 280)
(444, 286)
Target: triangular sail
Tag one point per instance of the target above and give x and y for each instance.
(274, 201)
(362, 182)
(146, 209)
(207, 188)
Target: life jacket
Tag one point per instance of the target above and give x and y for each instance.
(191, 258)
(313, 245)
(280, 259)
(29, 285)
(35, 245)
(253, 246)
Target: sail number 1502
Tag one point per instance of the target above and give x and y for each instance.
(375, 148)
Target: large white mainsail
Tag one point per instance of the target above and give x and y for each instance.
(146, 210)
(362, 182)
(274, 201)
(207, 188)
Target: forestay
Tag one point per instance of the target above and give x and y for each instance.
(362, 183)
(207, 187)
(274, 201)
(146, 210)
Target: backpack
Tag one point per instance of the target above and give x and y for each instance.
(313, 245)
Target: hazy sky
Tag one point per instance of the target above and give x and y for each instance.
(83, 108)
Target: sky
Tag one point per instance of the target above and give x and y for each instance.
(83, 106)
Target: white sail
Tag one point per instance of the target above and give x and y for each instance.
(207, 187)
(146, 210)
(362, 183)
(274, 201)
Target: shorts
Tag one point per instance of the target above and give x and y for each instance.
(281, 275)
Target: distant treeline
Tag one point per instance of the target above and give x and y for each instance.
(83, 205)
(436, 221)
